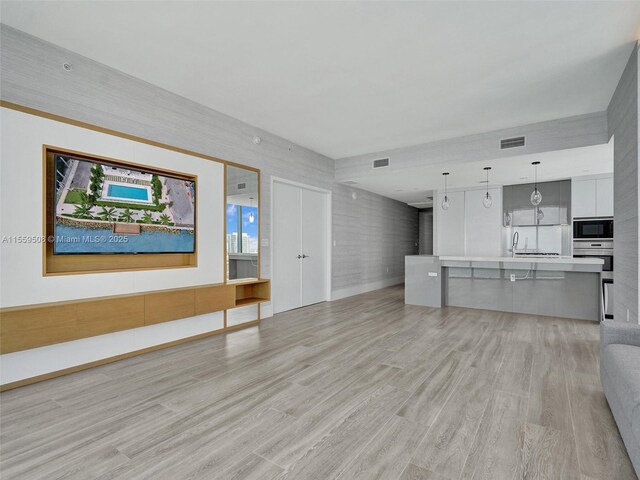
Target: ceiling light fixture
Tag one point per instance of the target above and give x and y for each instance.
(445, 200)
(487, 201)
(536, 196)
(251, 216)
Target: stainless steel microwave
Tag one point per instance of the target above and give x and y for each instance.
(593, 229)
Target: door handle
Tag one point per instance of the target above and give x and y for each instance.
(305, 256)
(299, 257)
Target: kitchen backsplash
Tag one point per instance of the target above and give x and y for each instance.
(546, 239)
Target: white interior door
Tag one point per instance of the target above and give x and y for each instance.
(287, 246)
(314, 247)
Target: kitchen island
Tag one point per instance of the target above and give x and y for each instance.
(555, 286)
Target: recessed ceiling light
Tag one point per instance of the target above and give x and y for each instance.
(586, 171)
(524, 178)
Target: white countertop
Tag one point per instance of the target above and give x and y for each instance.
(528, 259)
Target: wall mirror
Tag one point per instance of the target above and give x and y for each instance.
(242, 223)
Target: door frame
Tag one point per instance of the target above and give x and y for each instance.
(328, 240)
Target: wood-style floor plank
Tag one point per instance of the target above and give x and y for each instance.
(364, 387)
(448, 442)
(547, 453)
(600, 450)
(495, 450)
(388, 453)
(548, 399)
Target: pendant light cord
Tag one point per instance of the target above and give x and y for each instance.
(486, 195)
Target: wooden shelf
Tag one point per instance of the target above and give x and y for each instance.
(248, 301)
(252, 291)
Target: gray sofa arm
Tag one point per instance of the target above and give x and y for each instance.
(619, 332)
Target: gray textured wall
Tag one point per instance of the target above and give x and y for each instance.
(372, 234)
(622, 117)
(552, 135)
(425, 233)
(31, 74)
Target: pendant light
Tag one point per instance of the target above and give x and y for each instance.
(251, 216)
(487, 201)
(536, 196)
(445, 200)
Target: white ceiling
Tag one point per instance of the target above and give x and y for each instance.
(414, 185)
(346, 78)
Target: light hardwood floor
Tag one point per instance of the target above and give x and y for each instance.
(360, 388)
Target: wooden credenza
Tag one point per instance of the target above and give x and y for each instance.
(33, 326)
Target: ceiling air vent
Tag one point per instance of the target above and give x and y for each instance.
(242, 186)
(511, 142)
(381, 162)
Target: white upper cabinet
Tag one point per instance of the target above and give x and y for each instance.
(604, 197)
(483, 225)
(450, 226)
(467, 227)
(592, 198)
(583, 198)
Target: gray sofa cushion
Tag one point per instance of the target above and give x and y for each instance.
(622, 365)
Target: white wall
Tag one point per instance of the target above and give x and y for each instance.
(21, 172)
(21, 179)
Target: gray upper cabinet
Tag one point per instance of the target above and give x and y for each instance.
(555, 208)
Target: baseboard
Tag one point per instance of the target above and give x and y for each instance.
(366, 287)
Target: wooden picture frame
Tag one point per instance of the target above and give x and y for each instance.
(96, 263)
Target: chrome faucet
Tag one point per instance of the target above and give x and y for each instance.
(514, 243)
